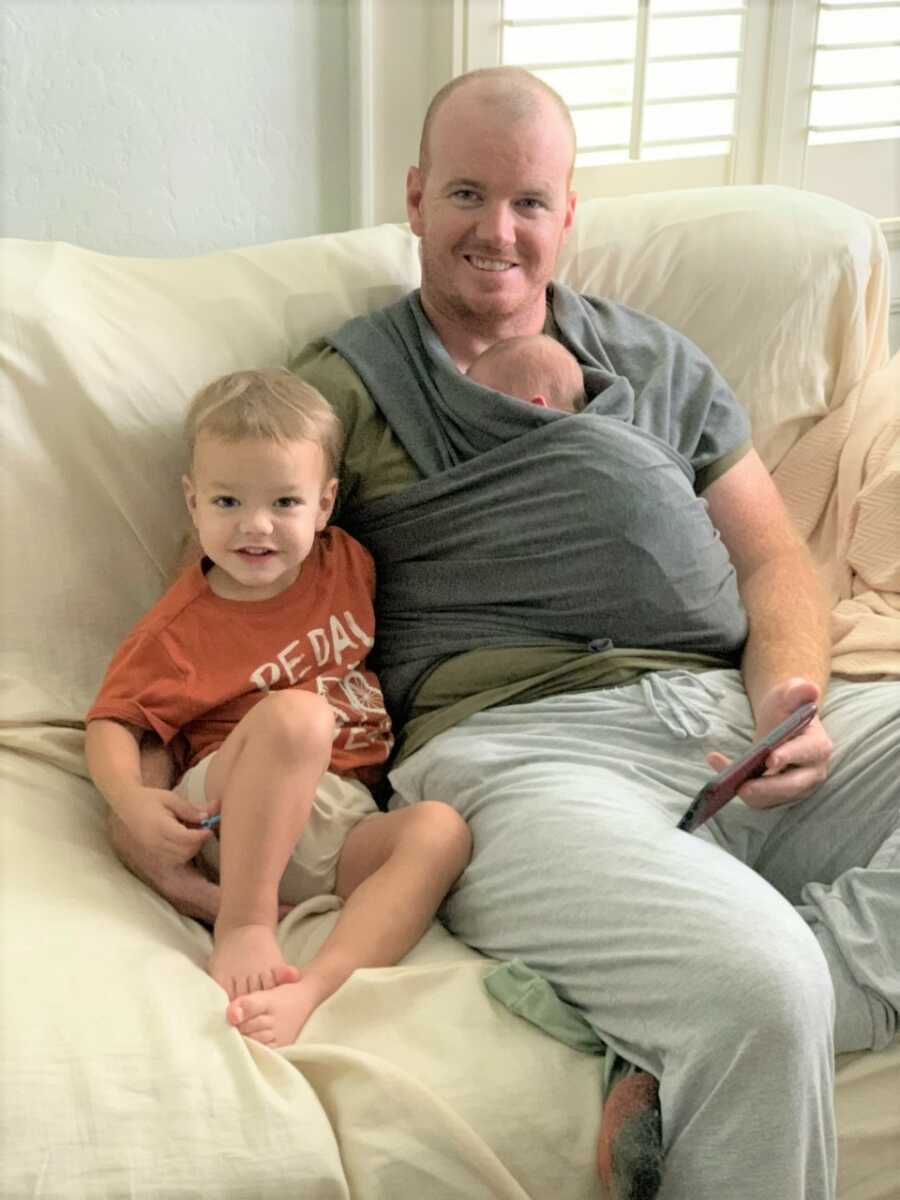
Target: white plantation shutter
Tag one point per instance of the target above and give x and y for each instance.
(644, 80)
(856, 76)
(853, 129)
(691, 93)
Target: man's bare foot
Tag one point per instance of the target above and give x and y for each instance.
(247, 958)
(276, 1016)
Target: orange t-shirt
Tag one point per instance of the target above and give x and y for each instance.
(196, 663)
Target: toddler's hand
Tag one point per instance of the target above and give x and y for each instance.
(165, 823)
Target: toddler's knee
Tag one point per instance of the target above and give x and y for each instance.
(298, 722)
(440, 829)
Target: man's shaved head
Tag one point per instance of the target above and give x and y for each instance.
(512, 92)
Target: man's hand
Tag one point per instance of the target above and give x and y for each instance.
(796, 768)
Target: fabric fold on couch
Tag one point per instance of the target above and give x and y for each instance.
(841, 485)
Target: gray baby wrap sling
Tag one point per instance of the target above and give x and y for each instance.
(532, 525)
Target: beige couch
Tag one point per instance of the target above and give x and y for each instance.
(118, 1074)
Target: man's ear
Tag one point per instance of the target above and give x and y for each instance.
(190, 496)
(571, 202)
(414, 187)
(326, 504)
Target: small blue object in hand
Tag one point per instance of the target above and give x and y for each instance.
(211, 822)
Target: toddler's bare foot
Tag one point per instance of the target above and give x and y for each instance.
(247, 958)
(276, 1016)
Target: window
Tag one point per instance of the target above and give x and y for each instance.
(856, 74)
(688, 93)
(853, 134)
(643, 81)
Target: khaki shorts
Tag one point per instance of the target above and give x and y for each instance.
(339, 805)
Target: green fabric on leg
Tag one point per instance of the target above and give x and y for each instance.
(530, 996)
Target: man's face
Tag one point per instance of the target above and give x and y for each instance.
(492, 212)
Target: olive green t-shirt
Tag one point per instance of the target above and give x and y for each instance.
(375, 464)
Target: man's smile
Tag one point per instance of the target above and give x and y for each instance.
(488, 264)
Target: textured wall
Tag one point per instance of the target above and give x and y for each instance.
(168, 127)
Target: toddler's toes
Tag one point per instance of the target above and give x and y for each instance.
(285, 973)
(252, 1018)
(261, 1029)
(243, 1008)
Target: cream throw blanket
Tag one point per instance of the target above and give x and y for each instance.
(841, 485)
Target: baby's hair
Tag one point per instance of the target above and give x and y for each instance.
(269, 403)
(531, 365)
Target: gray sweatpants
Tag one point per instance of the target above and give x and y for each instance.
(732, 962)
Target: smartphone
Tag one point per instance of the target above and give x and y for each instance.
(722, 787)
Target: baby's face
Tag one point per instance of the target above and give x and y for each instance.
(257, 506)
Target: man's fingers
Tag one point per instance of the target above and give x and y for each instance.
(717, 761)
(768, 791)
(812, 747)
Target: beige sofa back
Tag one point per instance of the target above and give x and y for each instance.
(785, 291)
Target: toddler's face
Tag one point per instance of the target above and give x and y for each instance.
(257, 507)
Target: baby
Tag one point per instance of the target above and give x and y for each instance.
(254, 663)
(537, 369)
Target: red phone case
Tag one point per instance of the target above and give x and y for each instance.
(722, 787)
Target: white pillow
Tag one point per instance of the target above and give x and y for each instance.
(786, 291)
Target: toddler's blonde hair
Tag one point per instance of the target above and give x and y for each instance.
(270, 403)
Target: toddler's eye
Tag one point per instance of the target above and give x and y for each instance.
(287, 502)
(225, 501)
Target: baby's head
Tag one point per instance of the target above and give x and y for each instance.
(537, 369)
(265, 449)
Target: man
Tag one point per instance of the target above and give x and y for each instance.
(560, 707)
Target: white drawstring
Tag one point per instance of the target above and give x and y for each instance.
(667, 705)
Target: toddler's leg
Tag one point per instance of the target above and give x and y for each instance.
(393, 873)
(264, 778)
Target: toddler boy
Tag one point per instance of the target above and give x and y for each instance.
(252, 665)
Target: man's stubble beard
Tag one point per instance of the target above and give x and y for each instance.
(455, 309)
